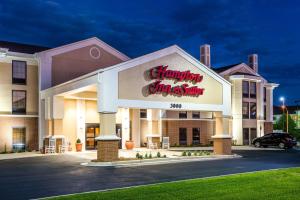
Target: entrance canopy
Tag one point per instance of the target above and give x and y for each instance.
(166, 79)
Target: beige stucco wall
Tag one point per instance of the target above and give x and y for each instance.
(136, 82)
(6, 86)
(91, 112)
(6, 128)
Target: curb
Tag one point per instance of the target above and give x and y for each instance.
(158, 161)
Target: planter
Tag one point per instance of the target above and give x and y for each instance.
(78, 147)
(129, 145)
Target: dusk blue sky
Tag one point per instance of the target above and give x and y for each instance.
(234, 29)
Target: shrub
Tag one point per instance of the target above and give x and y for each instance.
(150, 155)
(78, 141)
(189, 153)
(184, 153)
(195, 153)
(146, 155)
(137, 155)
(165, 156)
(158, 154)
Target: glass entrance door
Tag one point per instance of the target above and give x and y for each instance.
(92, 131)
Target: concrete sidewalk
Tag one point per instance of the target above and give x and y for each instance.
(7, 156)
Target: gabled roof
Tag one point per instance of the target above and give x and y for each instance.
(242, 68)
(149, 57)
(243, 73)
(21, 48)
(222, 69)
(84, 43)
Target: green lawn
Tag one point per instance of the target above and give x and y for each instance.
(273, 184)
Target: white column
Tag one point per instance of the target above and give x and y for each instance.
(260, 109)
(237, 121)
(125, 126)
(136, 134)
(149, 120)
(80, 121)
(269, 104)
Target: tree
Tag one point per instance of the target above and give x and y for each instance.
(281, 125)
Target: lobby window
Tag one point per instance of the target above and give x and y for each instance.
(252, 110)
(196, 115)
(252, 89)
(143, 113)
(245, 89)
(18, 139)
(182, 115)
(182, 136)
(196, 136)
(245, 110)
(19, 70)
(18, 101)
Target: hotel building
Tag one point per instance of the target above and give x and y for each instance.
(91, 91)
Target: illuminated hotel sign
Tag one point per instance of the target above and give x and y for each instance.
(161, 73)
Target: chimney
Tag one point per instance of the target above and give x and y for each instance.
(205, 54)
(253, 62)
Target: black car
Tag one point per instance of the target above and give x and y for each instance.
(281, 140)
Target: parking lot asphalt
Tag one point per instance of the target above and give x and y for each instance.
(37, 177)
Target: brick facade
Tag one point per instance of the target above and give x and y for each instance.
(268, 127)
(108, 150)
(170, 128)
(222, 146)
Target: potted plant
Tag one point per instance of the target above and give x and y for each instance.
(129, 144)
(78, 145)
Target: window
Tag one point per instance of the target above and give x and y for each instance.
(248, 135)
(182, 115)
(182, 136)
(245, 110)
(196, 115)
(143, 113)
(252, 90)
(18, 101)
(265, 112)
(252, 110)
(19, 139)
(245, 89)
(196, 136)
(265, 94)
(19, 70)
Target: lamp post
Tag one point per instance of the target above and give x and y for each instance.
(282, 99)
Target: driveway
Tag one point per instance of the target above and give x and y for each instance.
(62, 174)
